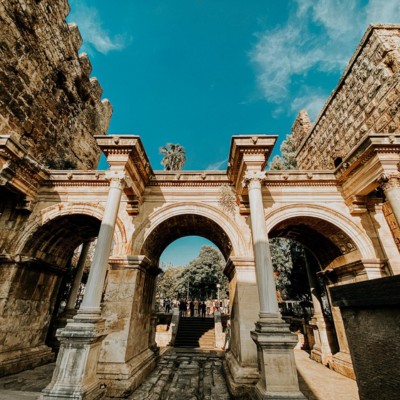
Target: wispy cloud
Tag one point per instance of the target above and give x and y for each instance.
(312, 103)
(94, 35)
(319, 35)
(217, 165)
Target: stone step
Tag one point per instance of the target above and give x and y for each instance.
(195, 333)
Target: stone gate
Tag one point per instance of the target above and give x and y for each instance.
(342, 205)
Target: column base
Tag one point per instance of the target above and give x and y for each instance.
(240, 380)
(342, 364)
(12, 362)
(75, 374)
(278, 373)
(122, 379)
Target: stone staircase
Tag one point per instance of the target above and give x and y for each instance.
(196, 332)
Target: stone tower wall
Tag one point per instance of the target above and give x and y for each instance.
(46, 96)
(366, 100)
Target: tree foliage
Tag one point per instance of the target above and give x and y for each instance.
(288, 158)
(288, 259)
(201, 275)
(174, 157)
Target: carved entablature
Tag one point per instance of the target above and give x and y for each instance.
(361, 172)
(248, 153)
(126, 152)
(19, 172)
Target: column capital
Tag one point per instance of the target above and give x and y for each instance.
(117, 178)
(389, 180)
(253, 179)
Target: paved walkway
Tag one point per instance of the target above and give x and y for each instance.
(192, 375)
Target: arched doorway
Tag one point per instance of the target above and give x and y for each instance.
(333, 255)
(132, 340)
(36, 277)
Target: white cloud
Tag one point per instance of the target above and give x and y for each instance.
(92, 31)
(217, 165)
(313, 103)
(387, 11)
(320, 36)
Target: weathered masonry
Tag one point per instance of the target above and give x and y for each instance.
(343, 205)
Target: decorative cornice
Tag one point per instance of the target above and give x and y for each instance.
(370, 146)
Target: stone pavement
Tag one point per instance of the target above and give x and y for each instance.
(186, 374)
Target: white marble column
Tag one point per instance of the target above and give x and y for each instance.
(78, 276)
(98, 269)
(75, 375)
(264, 269)
(390, 183)
(275, 342)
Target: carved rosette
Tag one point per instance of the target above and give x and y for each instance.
(389, 180)
(252, 180)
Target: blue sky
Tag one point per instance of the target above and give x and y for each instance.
(195, 72)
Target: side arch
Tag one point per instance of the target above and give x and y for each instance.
(235, 234)
(53, 212)
(362, 241)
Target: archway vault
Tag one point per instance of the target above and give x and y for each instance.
(325, 232)
(185, 219)
(57, 230)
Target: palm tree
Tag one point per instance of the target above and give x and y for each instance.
(174, 157)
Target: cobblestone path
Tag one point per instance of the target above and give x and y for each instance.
(185, 375)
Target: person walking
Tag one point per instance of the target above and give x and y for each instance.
(203, 308)
(182, 308)
(167, 305)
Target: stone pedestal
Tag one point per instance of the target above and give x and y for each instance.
(321, 350)
(75, 374)
(278, 374)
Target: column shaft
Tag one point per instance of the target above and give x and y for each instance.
(264, 268)
(94, 288)
(78, 276)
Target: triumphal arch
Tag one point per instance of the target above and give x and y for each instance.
(342, 204)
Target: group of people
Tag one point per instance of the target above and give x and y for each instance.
(195, 307)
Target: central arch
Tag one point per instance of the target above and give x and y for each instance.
(185, 219)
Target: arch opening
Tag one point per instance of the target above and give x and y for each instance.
(323, 239)
(325, 245)
(179, 226)
(56, 241)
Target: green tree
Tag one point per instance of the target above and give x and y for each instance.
(288, 158)
(168, 281)
(174, 157)
(288, 260)
(204, 273)
(201, 275)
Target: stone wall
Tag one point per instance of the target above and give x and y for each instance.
(366, 100)
(46, 96)
(371, 316)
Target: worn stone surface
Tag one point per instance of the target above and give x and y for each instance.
(366, 100)
(46, 95)
(370, 311)
(316, 381)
